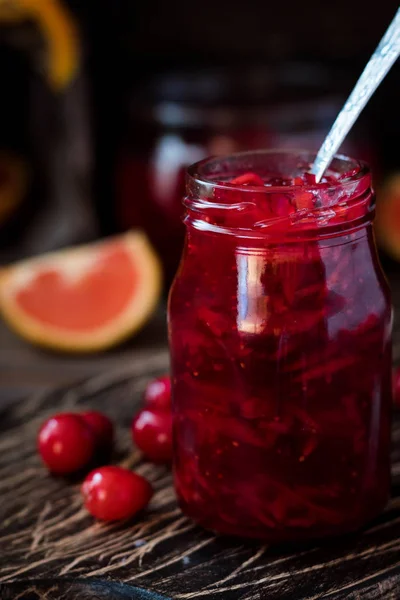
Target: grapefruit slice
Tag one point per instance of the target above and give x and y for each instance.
(83, 299)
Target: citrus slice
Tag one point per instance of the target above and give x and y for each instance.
(58, 29)
(387, 223)
(83, 299)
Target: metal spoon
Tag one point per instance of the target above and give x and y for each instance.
(378, 66)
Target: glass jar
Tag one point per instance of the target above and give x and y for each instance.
(179, 119)
(280, 337)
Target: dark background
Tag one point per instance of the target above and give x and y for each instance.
(126, 44)
(129, 41)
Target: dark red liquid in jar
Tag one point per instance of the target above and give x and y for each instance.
(280, 339)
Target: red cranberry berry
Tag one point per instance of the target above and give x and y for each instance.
(102, 428)
(66, 443)
(396, 386)
(157, 395)
(152, 434)
(113, 493)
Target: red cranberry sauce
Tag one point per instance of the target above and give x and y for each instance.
(280, 322)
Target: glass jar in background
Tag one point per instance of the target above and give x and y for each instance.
(280, 337)
(178, 120)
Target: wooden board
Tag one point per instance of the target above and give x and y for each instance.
(46, 535)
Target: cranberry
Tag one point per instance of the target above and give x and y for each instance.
(113, 493)
(157, 394)
(102, 428)
(396, 386)
(66, 443)
(152, 434)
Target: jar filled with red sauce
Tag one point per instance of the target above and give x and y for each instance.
(280, 336)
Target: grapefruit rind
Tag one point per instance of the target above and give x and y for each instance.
(59, 31)
(142, 305)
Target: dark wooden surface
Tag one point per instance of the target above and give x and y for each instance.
(50, 548)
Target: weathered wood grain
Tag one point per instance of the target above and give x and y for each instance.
(51, 549)
(45, 532)
(69, 589)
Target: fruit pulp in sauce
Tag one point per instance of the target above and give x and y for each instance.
(281, 365)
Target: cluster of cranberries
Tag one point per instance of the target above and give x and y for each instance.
(68, 442)
(152, 427)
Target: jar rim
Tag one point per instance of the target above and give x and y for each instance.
(344, 202)
(357, 170)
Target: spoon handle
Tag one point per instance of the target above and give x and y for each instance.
(379, 64)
